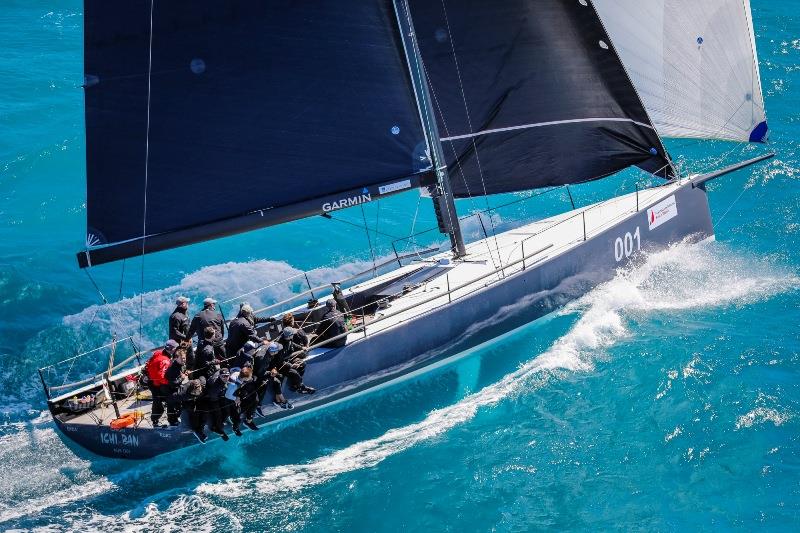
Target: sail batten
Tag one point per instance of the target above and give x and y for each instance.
(543, 124)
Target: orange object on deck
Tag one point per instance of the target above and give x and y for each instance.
(126, 420)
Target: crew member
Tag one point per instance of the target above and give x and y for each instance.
(274, 379)
(179, 328)
(247, 396)
(332, 325)
(314, 316)
(287, 363)
(156, 369)
(215, 391)
(341, 302)
(300, 336)
(243, 329)
(292, 352)
(193, 404)
(176, 375)
(246, 355)
(209, 316)
(229, 403)
(206, 362)
(261, 361)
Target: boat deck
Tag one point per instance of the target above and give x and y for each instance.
(487, 261)
(491, 259)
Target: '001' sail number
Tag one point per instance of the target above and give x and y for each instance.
(623, 246)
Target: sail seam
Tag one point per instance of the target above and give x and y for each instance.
(544, 124)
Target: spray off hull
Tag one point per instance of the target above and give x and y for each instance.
(447, 330)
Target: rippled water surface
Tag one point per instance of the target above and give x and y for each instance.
(666, 399)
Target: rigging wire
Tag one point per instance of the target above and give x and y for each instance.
(412, 240)
(354, 224)
(457, 161)
(377, 222)
(471, 130)
(96, 287)
(719, 220)
(146, 166)
(369, 239)
(121, 280)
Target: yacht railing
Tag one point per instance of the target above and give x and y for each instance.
(111, 370)
(348, 280)
(510, 266)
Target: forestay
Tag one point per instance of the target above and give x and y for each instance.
(530, 94)
(208, 118)
(694, 64)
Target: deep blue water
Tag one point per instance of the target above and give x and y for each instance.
(666, 399)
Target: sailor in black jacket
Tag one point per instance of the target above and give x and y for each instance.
(178, 321)
(175, 375)
(292, 352)
(209, 316)
(243, 329)
(213, 401)
(245, 356)
(247, 393)
(289, 363)
(179, 328)
(207, 360)
(332, 325)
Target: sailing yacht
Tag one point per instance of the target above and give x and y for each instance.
(262, 113)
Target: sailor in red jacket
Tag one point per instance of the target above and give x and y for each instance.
(156, 369)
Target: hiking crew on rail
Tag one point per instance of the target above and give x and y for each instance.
(227, 378)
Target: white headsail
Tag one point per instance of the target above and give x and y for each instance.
(693, 63)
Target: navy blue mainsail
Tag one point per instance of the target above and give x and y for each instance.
(530, 94)
(234, 115)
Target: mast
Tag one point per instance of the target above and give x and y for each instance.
(442, 192)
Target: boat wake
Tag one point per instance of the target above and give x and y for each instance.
(683, 277)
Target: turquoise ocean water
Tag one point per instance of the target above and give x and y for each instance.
(667, 399)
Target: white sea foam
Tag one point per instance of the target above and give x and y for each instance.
(683, 277)
(766, 409)
(761, 415)
(223, 281)
(184, 513)
(40, 472)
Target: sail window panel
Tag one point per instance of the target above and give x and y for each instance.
(527, 96)
(252, 106)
